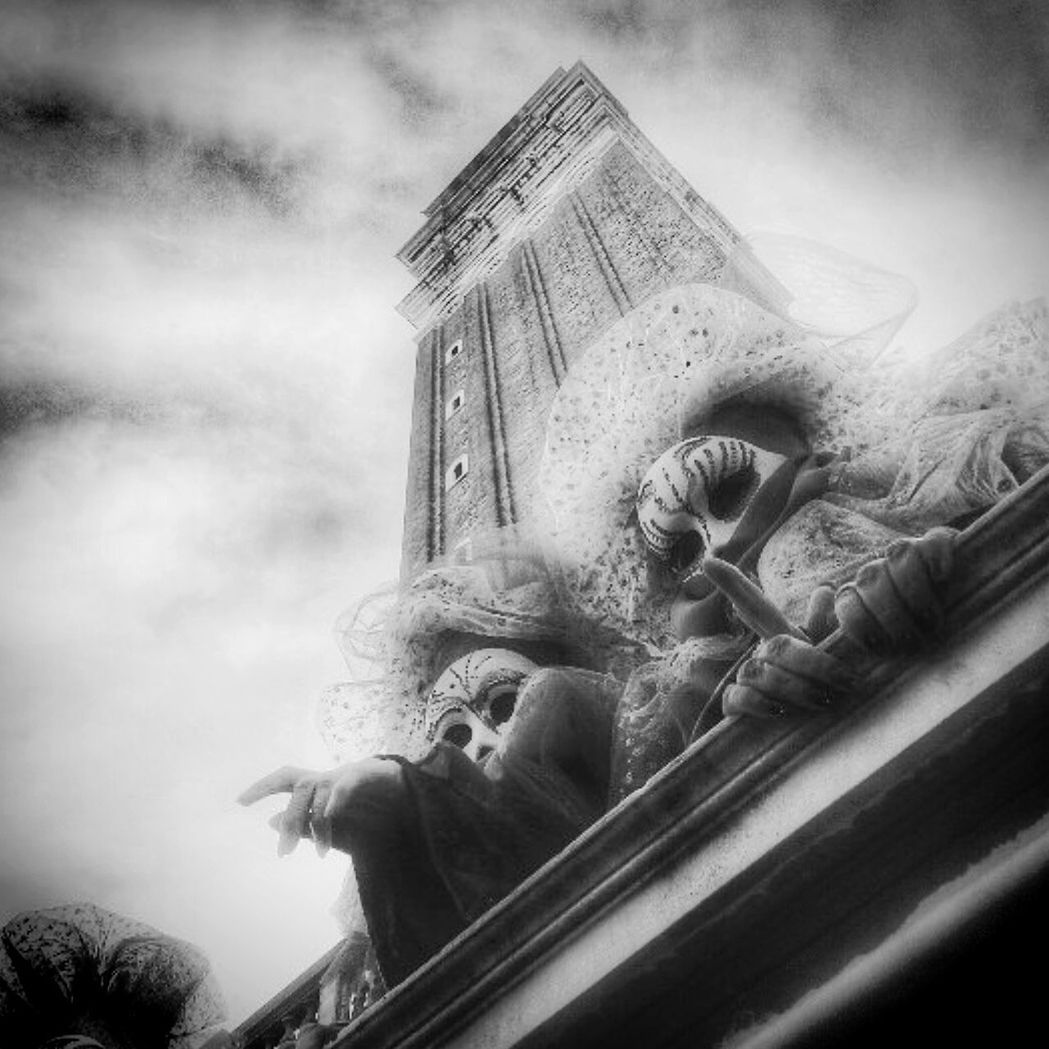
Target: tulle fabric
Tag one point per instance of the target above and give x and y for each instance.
(949, 440)
(399, 641)
(80, 964)
(917, 445)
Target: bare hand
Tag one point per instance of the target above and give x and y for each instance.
(318, 799)
(894, 601)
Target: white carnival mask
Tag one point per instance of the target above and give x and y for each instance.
(691, 500)
(471, 703)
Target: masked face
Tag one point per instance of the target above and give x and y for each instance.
(471, 703)
(703, 496)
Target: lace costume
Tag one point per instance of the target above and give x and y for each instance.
(923, 449)
(79, 968)
(465, 836)
(918, 446)
(460, 839)
(431, 859)
(397, 641)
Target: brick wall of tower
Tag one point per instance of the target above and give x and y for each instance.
(530, 371)
(654, 244)
(607, 244)
(578, 290)
(419, 508)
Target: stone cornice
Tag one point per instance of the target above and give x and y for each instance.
(690, 847)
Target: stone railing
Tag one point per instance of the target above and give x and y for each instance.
(277, 1021)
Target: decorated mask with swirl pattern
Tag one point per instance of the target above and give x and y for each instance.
(472, 702)
(694, 496)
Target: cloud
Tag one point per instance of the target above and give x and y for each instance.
(200, 462)
(170, 632)
(858, 70)
(205, 392)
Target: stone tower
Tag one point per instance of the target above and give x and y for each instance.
(564, 222)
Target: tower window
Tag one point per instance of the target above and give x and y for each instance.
(456, 472)
(453, 351)
(454, 403)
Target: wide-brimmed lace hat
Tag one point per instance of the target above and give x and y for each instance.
(655, 377)
(398, 639)
(650, 382)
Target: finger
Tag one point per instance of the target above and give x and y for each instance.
(750, 603)
(275, 821)
(279, 782)
(856, 619)
(886, 605)
(742, 699)
(319, 823)
(294, 825)
(783, 687)
(806, 661)
(913, 579)
(820, 620)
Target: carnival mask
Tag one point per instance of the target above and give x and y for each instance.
(695, 498)
(472, 701)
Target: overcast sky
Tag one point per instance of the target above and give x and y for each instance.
(205, 390)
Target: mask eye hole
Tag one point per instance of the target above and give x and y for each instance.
(501, 703)
(729, 498)
(686, 552)
(459, 735)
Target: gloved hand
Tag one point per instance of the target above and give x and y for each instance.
(893, 604)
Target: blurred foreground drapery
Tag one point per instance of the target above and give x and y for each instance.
(82, 970)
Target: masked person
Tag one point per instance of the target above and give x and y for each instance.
(516, 767)
(698, 426)
(712, 428)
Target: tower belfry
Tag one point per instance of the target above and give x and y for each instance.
(564, 222)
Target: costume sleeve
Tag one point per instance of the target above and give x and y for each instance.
(457, 839)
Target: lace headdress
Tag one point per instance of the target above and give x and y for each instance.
(399, 639)
(926, 443)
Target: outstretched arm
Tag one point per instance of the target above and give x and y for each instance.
(323, 805)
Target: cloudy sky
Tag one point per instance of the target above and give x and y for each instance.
(205, 390)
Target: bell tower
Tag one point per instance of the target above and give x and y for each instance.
(564, 222)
